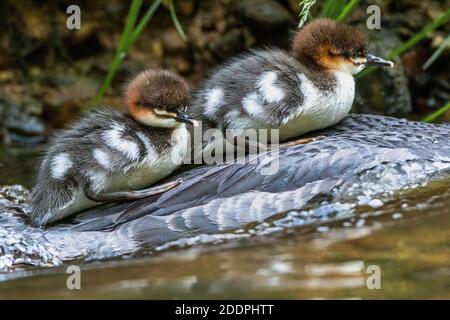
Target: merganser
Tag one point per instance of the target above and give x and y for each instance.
(384, 152)
(310, 89)
(107, 156)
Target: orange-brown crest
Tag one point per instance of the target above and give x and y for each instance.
(155, 89)
(329, 44)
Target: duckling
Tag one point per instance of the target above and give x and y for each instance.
(309, 89)
(108, 155)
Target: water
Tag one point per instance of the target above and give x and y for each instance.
(17, 165)
(393, 216)
(412, 252)
(408, 237)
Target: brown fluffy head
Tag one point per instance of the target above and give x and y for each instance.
(155, 97)
(331, 45)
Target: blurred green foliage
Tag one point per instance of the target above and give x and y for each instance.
(130, 34)
(340, 9)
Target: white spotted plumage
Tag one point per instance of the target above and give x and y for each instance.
(150, 152)
(270, 92)
(102, 157)
(109, 151)
(114, 139)
(271, 89)
(60, 164)
(232, 116)
(97, 179)
(214, 99)
(252, 105)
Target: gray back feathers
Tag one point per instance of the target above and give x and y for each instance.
(236, 190)
(219, 198)
(239, 78)
(102, 142)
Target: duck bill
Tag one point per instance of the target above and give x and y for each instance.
(185, 118)
(372, 60)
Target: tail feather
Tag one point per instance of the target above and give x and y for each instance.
(51, 201)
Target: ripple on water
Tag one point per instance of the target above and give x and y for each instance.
(22, 244)
(371, 188)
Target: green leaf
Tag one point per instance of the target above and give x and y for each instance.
(143, 23)
(332, 8)
(437, 53)
(349, 7)
(436, 23)
(304, 12)
(437, 114)
(176, 22)
(133, 12)
(443, 18)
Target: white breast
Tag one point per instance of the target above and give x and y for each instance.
(145, 173)
(320, 108)
(152, 169)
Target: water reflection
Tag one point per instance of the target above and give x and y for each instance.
(16, 165)
(407, 237)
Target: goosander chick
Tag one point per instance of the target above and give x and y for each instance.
(309, 89)
(107, 156)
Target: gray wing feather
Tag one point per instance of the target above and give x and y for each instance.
(357, 144)
(215, 199)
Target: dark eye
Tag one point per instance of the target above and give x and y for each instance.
(335, 53)
(159, 106)
(350, 55)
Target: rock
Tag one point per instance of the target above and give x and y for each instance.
(386, 90)
(22, 122)
(265, 14)
(172, 41)
(157, 49)
(215, 36)
(209, 13)
(6, 75)
(185, 7)
(82, 35)
(180, 64)
(433, 10)
(268, 20)
(228, 45)
(35, 23)
(413, 61)
(14, 193)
